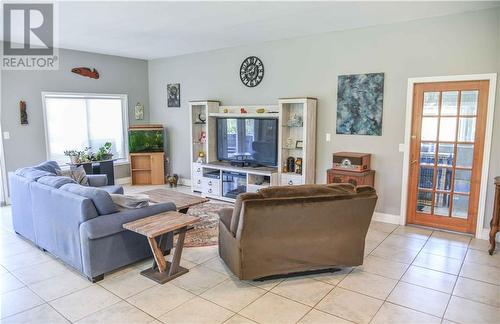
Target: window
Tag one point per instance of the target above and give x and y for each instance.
(76, 121)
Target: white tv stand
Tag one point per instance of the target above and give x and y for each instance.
(296, 142)
(211, 179)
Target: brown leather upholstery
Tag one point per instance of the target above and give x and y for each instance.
(290, 229)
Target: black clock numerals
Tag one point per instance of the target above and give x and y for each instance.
(251, 71)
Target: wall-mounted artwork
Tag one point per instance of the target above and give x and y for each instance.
(360, 99)
(173, 95)
(139, 111)
(23, 112)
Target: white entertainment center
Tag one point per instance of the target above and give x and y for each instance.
(295, 120)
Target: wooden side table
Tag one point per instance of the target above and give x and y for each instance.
(160, 226)
(495, 220)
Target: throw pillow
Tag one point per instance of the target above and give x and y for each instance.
(76, 173)
(55, 181)
(101, 199)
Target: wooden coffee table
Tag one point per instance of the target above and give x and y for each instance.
(162, 225)
(181, 200)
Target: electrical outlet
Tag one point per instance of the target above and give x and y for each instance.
(6, 135)
(328, 137)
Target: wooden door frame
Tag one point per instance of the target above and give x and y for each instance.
(492, 78)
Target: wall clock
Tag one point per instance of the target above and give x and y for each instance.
(251, 71)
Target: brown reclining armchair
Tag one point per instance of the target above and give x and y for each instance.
(283, 230)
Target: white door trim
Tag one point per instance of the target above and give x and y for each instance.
(492, 77)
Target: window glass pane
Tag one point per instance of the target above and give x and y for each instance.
(76, 123)
(431, 100)
(106, 125)
(66, 126)
(460, 206)
(426, 178)
(442, 204)
(449, 101)
(427, 153)
(424, 202)
(465, 154)
(447, 129)
(466, 129)
(429, 128)
(462, 181)
(443, 179)
(445, 154)
(468, 104)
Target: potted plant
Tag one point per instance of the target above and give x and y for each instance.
(104, 152)
(74, 156)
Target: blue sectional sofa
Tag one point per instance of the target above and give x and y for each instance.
(78, 224)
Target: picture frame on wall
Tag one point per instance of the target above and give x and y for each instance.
(173, 95)
(360, 100)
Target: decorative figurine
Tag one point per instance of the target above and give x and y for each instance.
(291, 164)
(260, 110)
(289, 143)
(201, 157)
(201, 119)
(225, 110)
(298, 166)
(295, 121)
(203, 137)
(285, 168)
(242, 110)
(172, 180)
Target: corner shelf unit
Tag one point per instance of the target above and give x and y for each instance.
(293, 110)
(207, 145)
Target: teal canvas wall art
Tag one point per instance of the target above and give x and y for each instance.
(360, 99)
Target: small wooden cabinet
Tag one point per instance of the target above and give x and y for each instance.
(147, 168)
(355, 178)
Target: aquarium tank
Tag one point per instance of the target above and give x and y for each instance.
(145, 139)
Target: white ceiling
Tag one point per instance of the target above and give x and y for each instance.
(151, 30)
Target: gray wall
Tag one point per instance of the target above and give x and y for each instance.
(461, 44)
(118, 75)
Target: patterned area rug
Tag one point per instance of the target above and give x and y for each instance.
(206, 231)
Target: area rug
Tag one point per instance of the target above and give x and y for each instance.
(206, 231)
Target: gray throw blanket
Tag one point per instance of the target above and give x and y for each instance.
(130, 201)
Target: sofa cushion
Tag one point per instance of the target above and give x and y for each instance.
(237, 208)
(49, 166)
(78, 174)
(101, 199)
(32, 173)
(307, 191)
(55, 181)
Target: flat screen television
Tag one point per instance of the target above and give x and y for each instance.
(248, 141)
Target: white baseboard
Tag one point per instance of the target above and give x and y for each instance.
(185, 182)
(386, 218)
(123, 181)
(485, 235)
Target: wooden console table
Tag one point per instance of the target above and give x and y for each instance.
(161, 226)
(355, 178)
(495, 220)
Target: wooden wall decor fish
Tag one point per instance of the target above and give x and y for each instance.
(86, 72)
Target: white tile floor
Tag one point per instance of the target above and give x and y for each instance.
(409, 275)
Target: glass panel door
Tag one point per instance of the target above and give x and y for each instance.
(448, 120)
